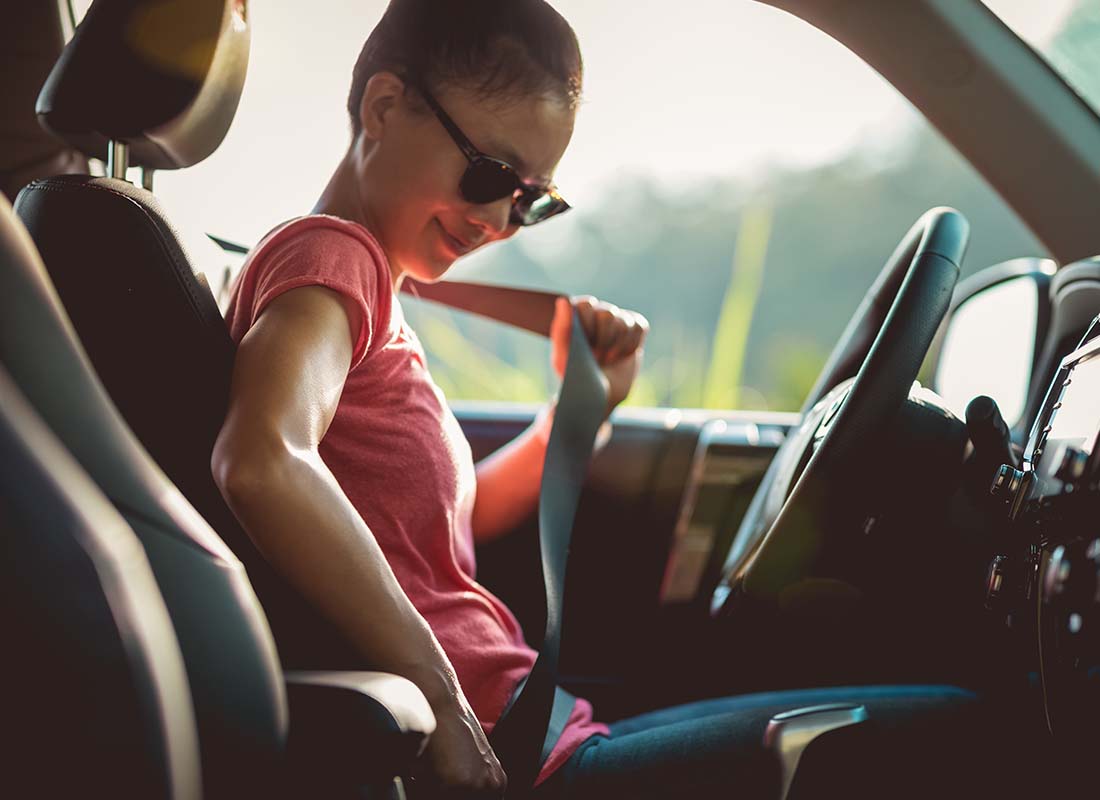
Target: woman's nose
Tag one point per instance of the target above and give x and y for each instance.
(492, 217)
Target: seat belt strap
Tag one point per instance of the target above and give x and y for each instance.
(522, 737)
(560, 712)
(559, 717)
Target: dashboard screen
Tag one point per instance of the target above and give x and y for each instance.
(1078, 420)
(1075, 422)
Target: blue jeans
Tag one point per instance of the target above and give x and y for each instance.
(714, 748)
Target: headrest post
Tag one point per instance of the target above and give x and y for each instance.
(118, 159)
(147, 178)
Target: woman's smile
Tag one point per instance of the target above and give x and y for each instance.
(459, 247)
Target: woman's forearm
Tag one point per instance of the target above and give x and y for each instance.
(306, 527)
(508, 481)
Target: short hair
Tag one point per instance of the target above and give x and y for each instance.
(498, 48)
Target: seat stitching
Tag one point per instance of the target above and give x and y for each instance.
(159, 226)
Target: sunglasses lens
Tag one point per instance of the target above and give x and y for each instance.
(535, 207)
(487, 180)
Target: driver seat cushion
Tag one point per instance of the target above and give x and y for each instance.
(158, 342)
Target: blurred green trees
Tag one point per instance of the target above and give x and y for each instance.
(746, 283)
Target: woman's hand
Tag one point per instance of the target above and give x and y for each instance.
(615, 335)
(458, 760)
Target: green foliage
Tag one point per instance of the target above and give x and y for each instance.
(731, 334)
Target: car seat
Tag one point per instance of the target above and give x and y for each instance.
(144, 314)
(346, 731)
(95, 692)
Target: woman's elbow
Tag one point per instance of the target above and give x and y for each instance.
(246, 467)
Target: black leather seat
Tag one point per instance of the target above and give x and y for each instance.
(346, 731)
(217, 619)
(166, 79)
(143, 312)
(95, 693)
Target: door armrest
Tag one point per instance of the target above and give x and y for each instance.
(354, 728)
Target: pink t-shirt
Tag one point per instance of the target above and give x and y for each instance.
(400, 456)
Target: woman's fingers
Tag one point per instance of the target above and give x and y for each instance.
(609, 328)
(633, 333)
(613, 333)
(585, 306)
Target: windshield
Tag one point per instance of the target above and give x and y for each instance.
(1065, 32)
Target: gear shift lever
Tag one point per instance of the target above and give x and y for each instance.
(790, 733)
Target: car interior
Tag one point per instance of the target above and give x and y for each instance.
(878, 538)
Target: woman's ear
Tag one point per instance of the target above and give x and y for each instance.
(383, 91)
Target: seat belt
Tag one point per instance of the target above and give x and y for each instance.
(532, 723)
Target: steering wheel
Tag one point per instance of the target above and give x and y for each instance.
(789, 537)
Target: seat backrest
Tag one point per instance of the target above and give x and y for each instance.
(147, 321)
(159, 344)
(233, 670)
(96, 700)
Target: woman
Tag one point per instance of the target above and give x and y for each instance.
(335, 427)
(339, 454)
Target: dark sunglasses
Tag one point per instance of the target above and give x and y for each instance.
(489, 179)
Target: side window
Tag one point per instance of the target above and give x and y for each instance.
(78, 8)
(740, 183)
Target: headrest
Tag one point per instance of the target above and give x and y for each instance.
(164, 76)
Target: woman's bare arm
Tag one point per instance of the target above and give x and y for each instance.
(508, 481)
(287, 379)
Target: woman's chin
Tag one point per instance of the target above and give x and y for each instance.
(432, 269)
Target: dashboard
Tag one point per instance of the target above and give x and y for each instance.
(1046, 579)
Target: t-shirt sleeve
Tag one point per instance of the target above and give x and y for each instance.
(338, 260)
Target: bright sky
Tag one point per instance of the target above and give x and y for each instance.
(714, 88)
(1035, 20)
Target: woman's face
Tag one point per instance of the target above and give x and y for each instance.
(409, 168)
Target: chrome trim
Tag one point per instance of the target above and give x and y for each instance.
(118, 159)
(790, 733)
(1037, 440)
(1089, 348)
(147, 178)
(667, 418)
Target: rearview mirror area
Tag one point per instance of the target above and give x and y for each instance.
(992, 336)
